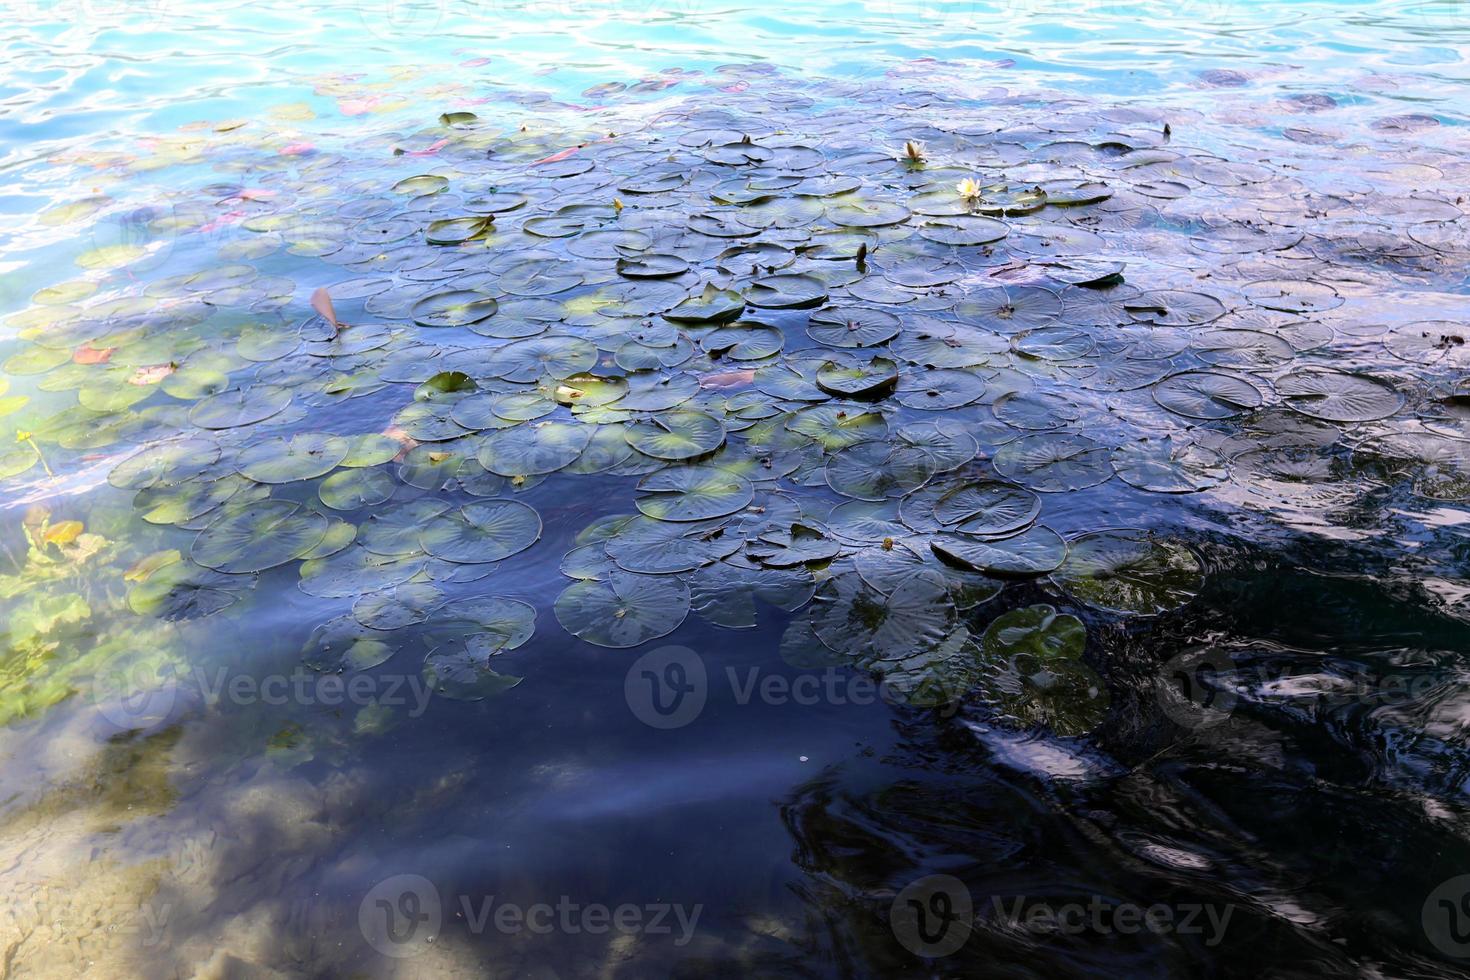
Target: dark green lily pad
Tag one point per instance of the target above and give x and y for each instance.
(1130, 571)
(483, 531)
(260, 535)
(624, 610)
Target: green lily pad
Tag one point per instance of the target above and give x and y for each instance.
(1054, 463)
(480, 532)
(258, 536)
(288, 459)
(344, 644)
(852, 327)
(677, 435)
(353, 489)
(1207, 395)
(1130, 571)
(457, 308)
(1035, 551)
(857, 379)
(987, 507)
(238, 407)
(854, 619)
(1037, 630)
(692, 493)
(624, 610)
(1169, 466)
(533, 448)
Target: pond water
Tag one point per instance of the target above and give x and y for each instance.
(677, 488)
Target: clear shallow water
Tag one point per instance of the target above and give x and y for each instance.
(186, 795)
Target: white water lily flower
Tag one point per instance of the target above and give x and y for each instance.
(969, 188)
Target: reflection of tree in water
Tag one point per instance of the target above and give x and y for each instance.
(1261, 812)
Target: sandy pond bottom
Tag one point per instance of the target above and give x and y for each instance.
(716, 514)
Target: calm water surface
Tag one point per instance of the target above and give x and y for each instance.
(270, 708)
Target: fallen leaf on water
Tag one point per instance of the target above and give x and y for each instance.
(726, 379)
(407, 441)
(63, 533)
(151, 374)
(87, 354)
(557, 157)
(429, 151)
(321, 301)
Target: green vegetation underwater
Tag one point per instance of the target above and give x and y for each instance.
(666, 488)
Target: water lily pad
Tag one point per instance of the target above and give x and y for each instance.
(456, 308)
(711, 306)
(655, 547)
(1037, 630)
(180, 590)
(461, 671)
(835, 426)
(1169, 465)
(1337, 396)
(624, 610)
(878, 470)
(987, 507)
(854, 619)
(1293, 295)
(353, 489)
(1130, 571)
(551, 356)
(258, 536)
(692, 493)
(396, 608)
(677, 435)
(344, 644)
(533, 448)
(1207, 395)
(858, 379)
(483, 531)
(852, 327)
(287, 459)
(239, 407)
(1033, 675)
(1174, 307)
(1054, 463)
(1033, 552)
(786, 291)
(964, 230)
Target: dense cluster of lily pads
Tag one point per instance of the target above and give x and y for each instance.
(840, 355)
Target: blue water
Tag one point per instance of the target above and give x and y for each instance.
(179, 795)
